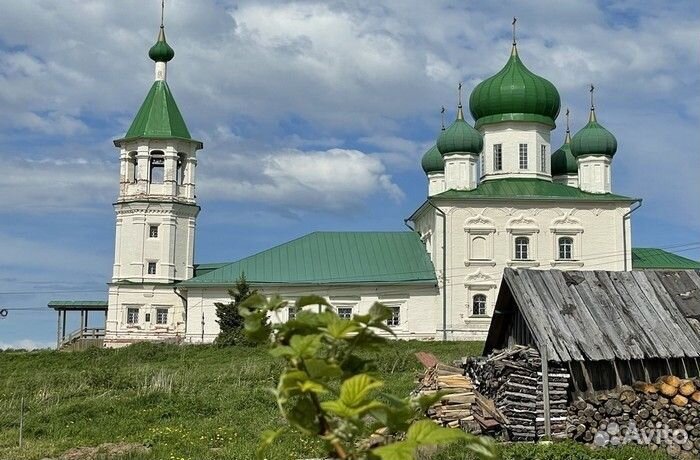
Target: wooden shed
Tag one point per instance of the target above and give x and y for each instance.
(609, 328)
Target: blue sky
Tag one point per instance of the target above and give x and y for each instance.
(314, 116)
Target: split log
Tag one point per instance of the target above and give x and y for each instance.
(671, 380)
(687, 388)
(679, 400)
(667, 389)
(695, 396)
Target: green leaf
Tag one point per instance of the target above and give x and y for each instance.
(305, 346)
(402, 450)
(255, 302)
(302, 414)
(340, 409)
(355, 390)
(320, 369)
(267, 438)
(341, 328)
(379, 312)
(311, 300)
(312, 387)
(282, 351)
(483, 447)
(290, 382)
(425, 432)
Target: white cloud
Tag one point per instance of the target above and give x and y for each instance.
(334, 180)
(62, 184)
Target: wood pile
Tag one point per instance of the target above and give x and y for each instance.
(513, 379)
(455, 408)
(651, 409)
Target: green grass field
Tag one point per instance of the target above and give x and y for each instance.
(193, 402)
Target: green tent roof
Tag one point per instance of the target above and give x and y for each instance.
(529, 189)
(331, 258)
(158, 117)
(658, 259)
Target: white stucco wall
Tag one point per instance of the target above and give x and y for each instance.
(510, 135)
(147, 299)
(418, 306)
(480, 244)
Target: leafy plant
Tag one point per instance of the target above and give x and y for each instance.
(229, 319)
(329, 391)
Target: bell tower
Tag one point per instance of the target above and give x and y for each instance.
(156, 212)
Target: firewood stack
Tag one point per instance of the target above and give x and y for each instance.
(669, 403)
(513, 379)
(455, 408)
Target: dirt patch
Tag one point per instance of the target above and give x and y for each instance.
(103, 451)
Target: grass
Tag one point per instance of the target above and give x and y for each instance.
(190, 402)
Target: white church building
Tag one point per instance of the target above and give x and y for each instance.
(498, 196)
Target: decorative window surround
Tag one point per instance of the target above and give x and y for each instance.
(526, 227)
(402, 308)
(475, 227)
(566, 226)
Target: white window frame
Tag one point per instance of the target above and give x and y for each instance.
(159, 310)
(483, 301)
(567, 226)
(345, 311)
(498, 157)
(564, 244)
(129, 317)
(543, 158)
(152, 227)
(522, 156)
(292, 311)
(155, 267)
(395, 319)
(517, 248)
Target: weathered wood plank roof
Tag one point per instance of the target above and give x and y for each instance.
(600, 315)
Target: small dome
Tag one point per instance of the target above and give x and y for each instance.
(514, 94)
(161, 51)
(563, 162)
(432, 161)
(460, 137)
(593, 139)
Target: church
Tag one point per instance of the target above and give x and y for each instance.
(498, 195)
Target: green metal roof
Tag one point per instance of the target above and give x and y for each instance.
(78, 304)
(158, 117)
(658, 259)
(563, 161)
(161, 51)
(593, 139)
(432, 161)
(514, 94)
(529, 189)
(201, 269)
(460, 137)
(332, 258)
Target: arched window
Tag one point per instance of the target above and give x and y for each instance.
(522, 248)
(157, 167)
(479, 304)
(566, 248)
(133, 172)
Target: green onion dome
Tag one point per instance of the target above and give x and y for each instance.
(460, 137)
(432, 161)
(514, 94)
(563, 161)
(593, 139)
(161, 51)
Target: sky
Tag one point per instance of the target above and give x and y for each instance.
(314, 116)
